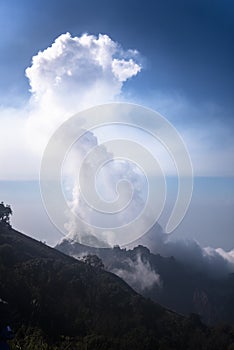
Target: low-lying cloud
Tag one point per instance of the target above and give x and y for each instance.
(138, 274)
(215, 262)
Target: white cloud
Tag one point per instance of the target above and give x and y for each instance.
(138, 274)
(123, 69)
(219, 252)
(72, 74)
(87, 70)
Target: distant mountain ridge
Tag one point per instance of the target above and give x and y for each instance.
(179, 286)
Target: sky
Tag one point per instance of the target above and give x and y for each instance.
(178, 60)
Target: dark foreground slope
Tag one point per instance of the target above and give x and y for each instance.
(56, 302)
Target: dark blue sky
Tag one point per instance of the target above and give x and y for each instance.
(188, 46)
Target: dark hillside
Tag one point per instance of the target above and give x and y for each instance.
(54, 302)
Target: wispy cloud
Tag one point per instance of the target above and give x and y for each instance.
(206, 128)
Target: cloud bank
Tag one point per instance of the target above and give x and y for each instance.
(215, 262)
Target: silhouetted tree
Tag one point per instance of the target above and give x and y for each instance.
(5, 212)
(93, 260)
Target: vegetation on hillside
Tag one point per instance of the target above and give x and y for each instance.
(53, 301)
(5, 212)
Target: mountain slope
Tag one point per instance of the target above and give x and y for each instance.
(166, 280)
(57, 302)
(61, 296)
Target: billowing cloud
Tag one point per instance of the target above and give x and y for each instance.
(90, 67)
(123, 69)
(75, 73)
(72, 74)
(106, 181)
